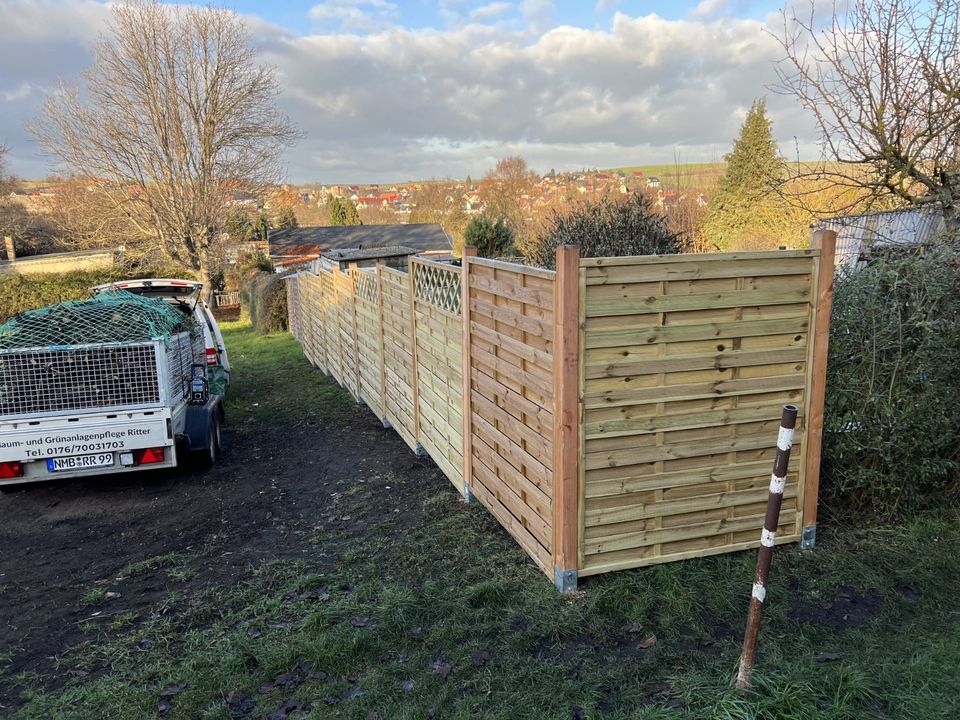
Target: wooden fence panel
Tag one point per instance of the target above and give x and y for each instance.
(330, 322)
(398, 353)
(686, 364)
(347, 325)
(310, 327)
(293, 307)
(366, 295)
(438, 356)
(511, 384)
(317, 336)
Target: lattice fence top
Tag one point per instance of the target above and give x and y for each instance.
(438, 285)
(365, 285)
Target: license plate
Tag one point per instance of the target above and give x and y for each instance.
(80, 462)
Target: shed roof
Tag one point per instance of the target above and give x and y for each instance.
(350, 254)
(419, 237)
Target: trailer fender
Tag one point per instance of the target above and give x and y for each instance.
(198, 421)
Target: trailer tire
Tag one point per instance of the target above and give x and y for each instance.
(206, 457)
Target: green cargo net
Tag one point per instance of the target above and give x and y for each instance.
(112, 316)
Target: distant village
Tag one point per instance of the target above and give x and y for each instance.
(401, 198)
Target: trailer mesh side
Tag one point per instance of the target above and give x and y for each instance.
(78, 378)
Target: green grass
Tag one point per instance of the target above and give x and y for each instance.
(448, 616)
(93, 596)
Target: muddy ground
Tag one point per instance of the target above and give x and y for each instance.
(278, 493)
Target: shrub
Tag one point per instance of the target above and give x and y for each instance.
(891, 421)
(492, 239)
(605, 228)
(264, 297)
(27, 292)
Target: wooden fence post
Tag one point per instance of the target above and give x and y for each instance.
(421, 450)
(826, 242)
(566, 434)
(468, 252)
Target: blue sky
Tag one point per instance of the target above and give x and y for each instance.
(295, 14)
(390, 90)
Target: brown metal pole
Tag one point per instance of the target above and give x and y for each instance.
(770, 522)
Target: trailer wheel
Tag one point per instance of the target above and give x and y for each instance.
(206, 457)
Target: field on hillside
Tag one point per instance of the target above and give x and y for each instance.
(323, 571)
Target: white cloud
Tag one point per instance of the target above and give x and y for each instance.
(604, 5)
(490, 11)
(397, 103)
(706, 9)
(355, 15)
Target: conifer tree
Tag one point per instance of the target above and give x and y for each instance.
(745, 209)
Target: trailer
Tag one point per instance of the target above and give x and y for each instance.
(112, 384)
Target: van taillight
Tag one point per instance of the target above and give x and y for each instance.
(11, 470)
(212, 356)
(148, 456)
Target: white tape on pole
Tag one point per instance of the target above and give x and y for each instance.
(759, 591)
(785, 438)
(777, 484)
(767, 537)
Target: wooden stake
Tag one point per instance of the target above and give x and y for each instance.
(826, 242)
(767, 538)
(566, 377)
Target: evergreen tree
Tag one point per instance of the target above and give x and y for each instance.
(351, 213)
(491, 239)
(744, 208)
(262, 228)
(343, 212)
(336, 211)
(286, 218)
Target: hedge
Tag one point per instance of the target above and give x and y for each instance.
(890, 421)
(263, 296)
(27, 292)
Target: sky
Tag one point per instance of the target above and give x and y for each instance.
(393, 90)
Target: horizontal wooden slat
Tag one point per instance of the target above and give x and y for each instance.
(638, 456)
(630, 305)
(716, 361)
(681, 421)
(513, 268)
(663, 508)
(596, 564)
(718, 388)
(696, 258)
(721, 526)
(707, 268)
(707, 331)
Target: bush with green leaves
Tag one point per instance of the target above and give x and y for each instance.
(607, 227)
(491, 239)
(263, 296)
(891, 422)
(28, 292)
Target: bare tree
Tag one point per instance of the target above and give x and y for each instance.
(175, 112)
(507, 190)
(882, 79)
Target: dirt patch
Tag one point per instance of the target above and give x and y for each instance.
(844, 608)
(282, 492)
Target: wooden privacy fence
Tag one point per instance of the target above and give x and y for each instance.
(613, 413)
